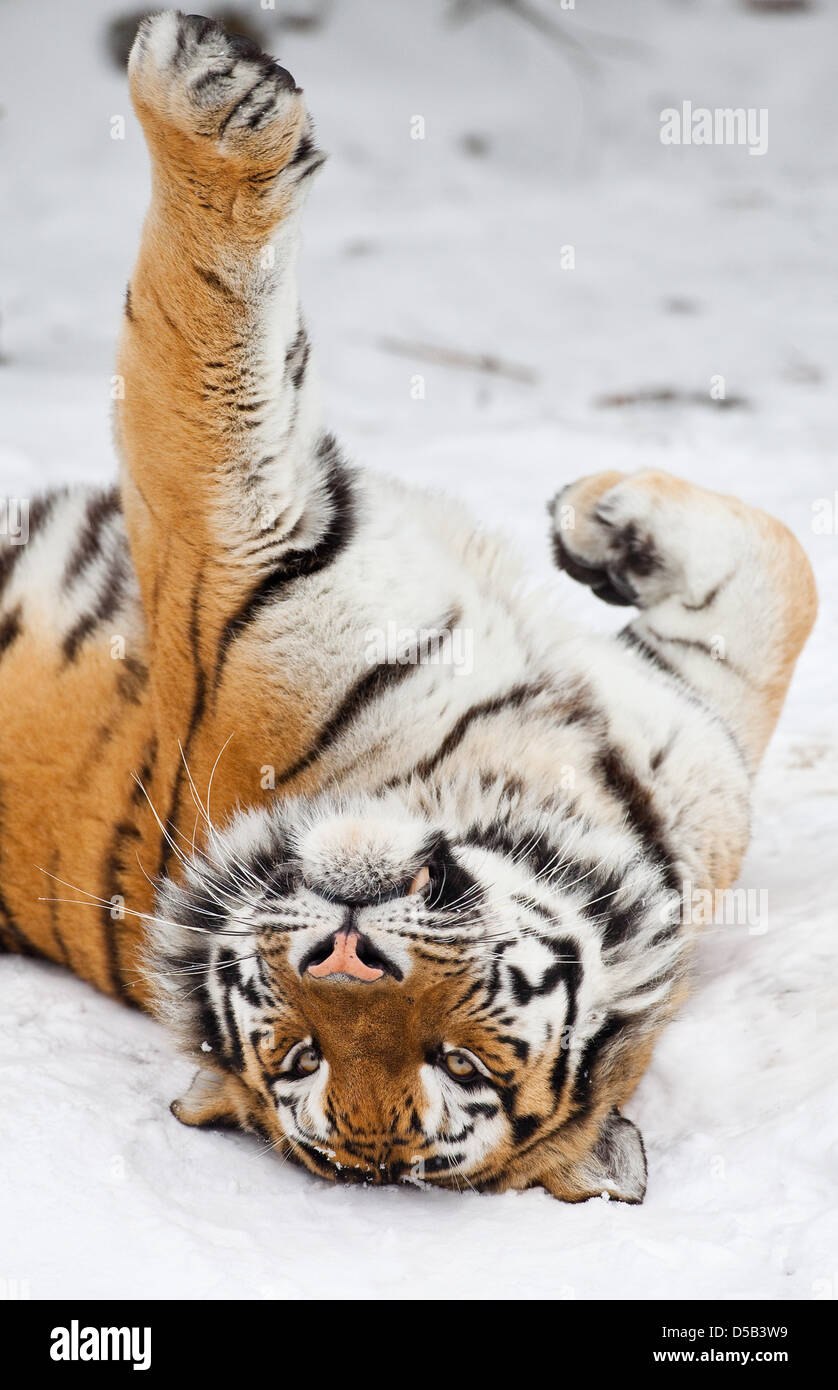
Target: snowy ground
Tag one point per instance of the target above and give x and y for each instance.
(690, 263)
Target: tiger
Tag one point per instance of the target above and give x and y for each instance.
(415, 918)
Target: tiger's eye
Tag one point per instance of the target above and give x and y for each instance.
(459, 1065)
(308, 1061)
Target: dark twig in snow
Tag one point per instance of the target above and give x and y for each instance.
(453, 357)
(668, 395)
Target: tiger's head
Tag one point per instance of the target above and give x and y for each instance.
(388, 999)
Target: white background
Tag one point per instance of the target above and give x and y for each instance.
(690, 262)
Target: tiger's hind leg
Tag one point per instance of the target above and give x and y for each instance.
(725, 591)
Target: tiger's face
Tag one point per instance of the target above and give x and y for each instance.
(388, 1000)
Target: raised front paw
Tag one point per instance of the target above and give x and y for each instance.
(204, 95)
(610, 532)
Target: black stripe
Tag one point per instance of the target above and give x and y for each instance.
(168, 320)
(298, 374)
(40, 510)
(518, 1045)
(450, 882)
(512, 699)
(592, 1054)
(10, 629)
(146, 772)
(573, 980)
(42, 507)
(241, 102)
(215, 282)
(299, 564)
(198, 710)
(557, 973)
(123, 837)
(621, 924)
(20, 943)
(129, 310)
(538, 852)
(226, 978)
(642, 814)
(523, 1126)
(710, 597)
(9, 556)
(636, 643)
(660, 755)
(303, 151)
(703, 649)
(210, 78)
(61, 945)
(13, 934)
(317, 162)
(261, 111)
(306, 153)
(317, 1160)
(631, 639)
(208, 1027)
(101, 507)
(132, 680)
(296, 345)
(106, 605)
(370, 687)
(603, 885)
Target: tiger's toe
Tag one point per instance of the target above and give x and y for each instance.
(188, 75)
(603, 536)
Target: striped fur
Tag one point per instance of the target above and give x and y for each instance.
(211, 770)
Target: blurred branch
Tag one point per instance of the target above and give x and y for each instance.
(776, 6)
(668, 395)
(578, 46)
(453, 357)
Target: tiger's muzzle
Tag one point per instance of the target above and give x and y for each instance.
(346, 955)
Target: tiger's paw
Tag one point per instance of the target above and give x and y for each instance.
(617, 534)
(213, 103)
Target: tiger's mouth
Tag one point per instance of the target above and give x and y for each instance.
(351, 1170)
(416, 1171)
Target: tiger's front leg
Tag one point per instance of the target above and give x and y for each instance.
(227, 475)
(726, 594)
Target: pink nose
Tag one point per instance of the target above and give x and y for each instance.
(345, 960)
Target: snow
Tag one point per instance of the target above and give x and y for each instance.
(690, 262)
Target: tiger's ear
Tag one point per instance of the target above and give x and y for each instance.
(616, 1165)
(213, 1101)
